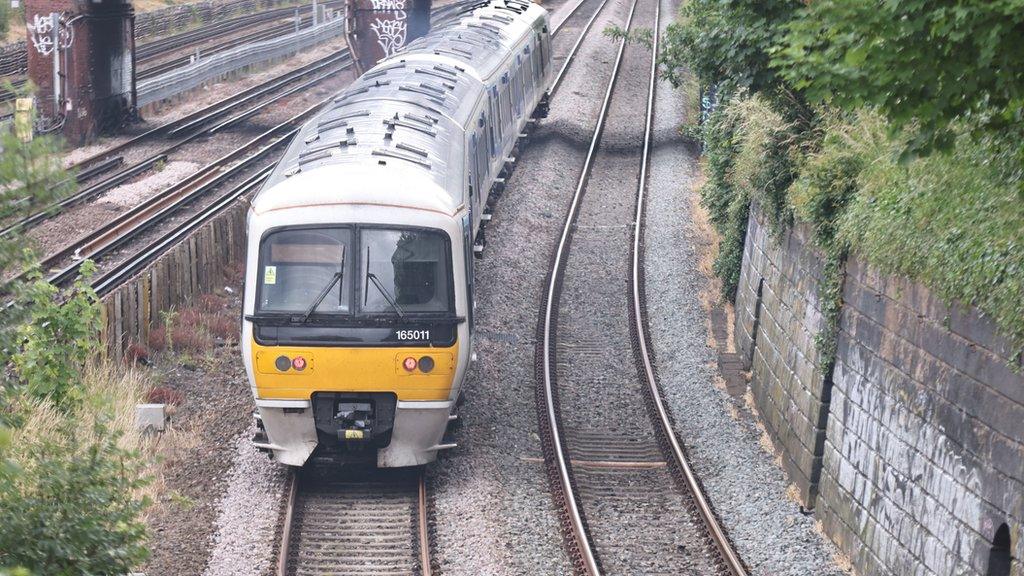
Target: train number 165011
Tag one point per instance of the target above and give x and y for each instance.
(412, 334)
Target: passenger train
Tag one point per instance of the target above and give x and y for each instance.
(358, 312)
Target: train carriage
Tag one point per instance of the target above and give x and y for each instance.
(358, 315)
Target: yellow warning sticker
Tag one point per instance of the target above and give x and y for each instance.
(270, 274)
(353, 434)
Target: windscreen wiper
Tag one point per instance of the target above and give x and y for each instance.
(371, 277)
(327, 289)
(384, 292)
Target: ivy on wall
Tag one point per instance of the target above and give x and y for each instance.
(837, 118)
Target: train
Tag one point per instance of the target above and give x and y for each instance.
(357, 327)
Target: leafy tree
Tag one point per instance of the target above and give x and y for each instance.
(68, 499)
(729, 43)
(930, 63)
(58, 336)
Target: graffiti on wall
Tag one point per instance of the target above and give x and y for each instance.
(40, 30)
(391, 28)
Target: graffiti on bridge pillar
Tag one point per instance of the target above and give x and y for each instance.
(377, 29)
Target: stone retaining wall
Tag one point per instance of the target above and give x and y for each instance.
(921, 435)
(777, 319)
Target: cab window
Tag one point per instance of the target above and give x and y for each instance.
(297, 265)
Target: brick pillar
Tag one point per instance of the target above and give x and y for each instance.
(92, 44)
(378, 28)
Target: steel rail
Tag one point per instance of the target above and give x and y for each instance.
(575, 47)
(587, 560)
(286, 532)
(572, 12)
(424, 531)
(182, 125)
(224, 105)
(167, 65)
(162, 46)
(726, 551)
(138, 261)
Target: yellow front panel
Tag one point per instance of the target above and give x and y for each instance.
(353, 370)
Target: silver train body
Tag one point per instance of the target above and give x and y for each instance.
(358, 310)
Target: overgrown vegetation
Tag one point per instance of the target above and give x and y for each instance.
(71, 486)
(893, 129)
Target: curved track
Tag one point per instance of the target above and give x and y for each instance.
(594, 472)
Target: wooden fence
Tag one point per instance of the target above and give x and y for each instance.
(197, 265)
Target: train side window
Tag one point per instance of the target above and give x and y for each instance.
(478, 169)
(515, 94)
(489, 130)
(471, 177)
(467, 243)
(545, 49)
(506, 104)
(482, 169)
(538, 59)
(496, 116)
(529, 75)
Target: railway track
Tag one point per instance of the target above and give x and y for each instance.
(628, 498)
(204, 122)
(238, 164)
(355, 522)
(164, 47)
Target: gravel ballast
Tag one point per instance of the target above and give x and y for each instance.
(746, 487)
(248, 514)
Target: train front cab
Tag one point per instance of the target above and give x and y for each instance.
(355, 341)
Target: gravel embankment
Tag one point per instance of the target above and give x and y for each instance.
(747, 488)
(210, 405)
(494, 514)
(248, 514)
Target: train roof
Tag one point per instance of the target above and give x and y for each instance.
(404, 120)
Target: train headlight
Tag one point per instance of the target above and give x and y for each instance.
(426, 364)
(283, 363)
(299, 363)
(409, 364)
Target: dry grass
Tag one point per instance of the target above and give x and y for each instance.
(110, 394)
(841, 560)
(707, 241)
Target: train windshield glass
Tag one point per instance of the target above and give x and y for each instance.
(297, 267)
(404, 271)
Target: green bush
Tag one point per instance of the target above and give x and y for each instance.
(69, 502)
(70, 508)
(933, 64)
(729, 42)
(57, 337)
(727, 207)
(751, 154)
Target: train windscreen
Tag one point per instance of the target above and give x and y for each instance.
(404, 271)
(394, 271)
(298, 267)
